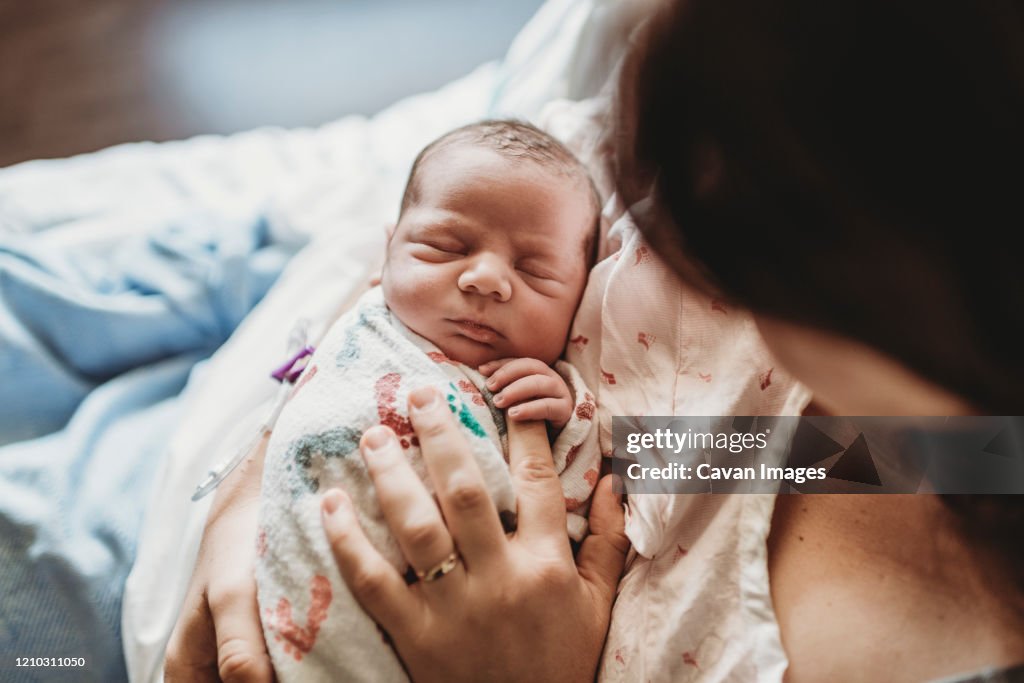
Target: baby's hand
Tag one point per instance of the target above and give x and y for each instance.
(529, 389)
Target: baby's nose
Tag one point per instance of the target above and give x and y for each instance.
(487, 276)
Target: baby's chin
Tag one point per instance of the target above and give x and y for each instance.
(469, 352)
(473, 354)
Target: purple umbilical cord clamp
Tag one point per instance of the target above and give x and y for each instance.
(289, 372)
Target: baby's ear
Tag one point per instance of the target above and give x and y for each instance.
(376, 278)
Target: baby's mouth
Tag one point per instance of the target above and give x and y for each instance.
(477, 331)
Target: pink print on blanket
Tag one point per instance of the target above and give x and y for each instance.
(386, 392)
(298, 640)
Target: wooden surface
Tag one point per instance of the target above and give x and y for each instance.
(80, 75)
(73, 77)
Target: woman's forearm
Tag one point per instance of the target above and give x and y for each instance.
(242, 486)
(218, 635)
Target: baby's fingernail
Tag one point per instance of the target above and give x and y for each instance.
(332, 501)
(514, 412)
(498, 398)
(376, 439)
(491, 383)
(423, 399)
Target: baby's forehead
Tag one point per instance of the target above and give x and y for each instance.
(572, 183)
(537, 159)
(449, 173)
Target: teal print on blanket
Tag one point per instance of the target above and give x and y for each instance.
(349, 352)
(303, 452)
(372, 319)
(464, 413)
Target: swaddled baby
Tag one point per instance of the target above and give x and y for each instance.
(484, 272)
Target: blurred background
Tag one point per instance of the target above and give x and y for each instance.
(80, 75)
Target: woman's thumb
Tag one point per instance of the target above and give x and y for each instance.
(602, 555)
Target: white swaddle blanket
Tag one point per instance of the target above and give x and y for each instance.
(359, 377)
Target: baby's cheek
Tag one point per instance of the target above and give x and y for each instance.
(544, 333)
(406, 302)
(412, 283)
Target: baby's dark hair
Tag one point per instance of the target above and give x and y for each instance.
(514, 140)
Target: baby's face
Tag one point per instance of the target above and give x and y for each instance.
(489, 261)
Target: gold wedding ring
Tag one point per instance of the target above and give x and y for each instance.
(440, 569)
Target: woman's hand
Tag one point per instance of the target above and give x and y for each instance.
(218, 635)
(514, 608)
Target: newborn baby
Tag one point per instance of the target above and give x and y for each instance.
(484, 272)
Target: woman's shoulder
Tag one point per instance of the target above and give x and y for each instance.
(857, 570)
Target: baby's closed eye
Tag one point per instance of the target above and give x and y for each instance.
(535, 274)
(432, 249)
(537, 270)
(444, 244)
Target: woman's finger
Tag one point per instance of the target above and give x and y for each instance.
(410, 511)
(541, 511)
(530, 386)
(374, 583)
(241, 650)
(468, 509)
(191, 651)
(603, 554)
(219, 640)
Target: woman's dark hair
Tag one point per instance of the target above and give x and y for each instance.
(851, 165)
(854, 165)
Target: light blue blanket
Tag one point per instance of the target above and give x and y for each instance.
(95, 346)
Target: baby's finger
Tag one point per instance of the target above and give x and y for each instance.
(517, 369)
(374, 583)
(530, 387)
(547, 409)
(487, 368)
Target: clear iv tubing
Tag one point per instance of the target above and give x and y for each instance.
(298, 356)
